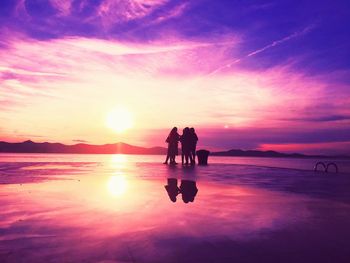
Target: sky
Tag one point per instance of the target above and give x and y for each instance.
(266, 75)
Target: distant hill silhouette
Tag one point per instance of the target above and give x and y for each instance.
(123, 148)
(255, 153)
(46, 147)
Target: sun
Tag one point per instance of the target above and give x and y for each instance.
(119, 120)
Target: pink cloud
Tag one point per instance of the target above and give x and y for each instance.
(21, 10)
(112, 12)
(165, 83)
(64, 6)
(172, 13)
(6, 104)
(108, 12)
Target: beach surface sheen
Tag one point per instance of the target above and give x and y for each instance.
(115, 208)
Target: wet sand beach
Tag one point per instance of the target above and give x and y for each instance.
(116, 209)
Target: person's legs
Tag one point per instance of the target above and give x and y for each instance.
(168, 154)
(186, 157)
(191, 158)
(167, 158)
(194, 154)
(172, 159)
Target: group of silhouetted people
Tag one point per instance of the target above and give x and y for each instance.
(188, 141)
(188, 190)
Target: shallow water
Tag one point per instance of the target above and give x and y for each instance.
(115, 208)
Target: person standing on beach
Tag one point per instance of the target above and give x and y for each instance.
(173, 141)
(185, 140)
(193, 145)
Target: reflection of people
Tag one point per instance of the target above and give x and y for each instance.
(172, 140)
(193, 144)
(188, 190)
(172, 189)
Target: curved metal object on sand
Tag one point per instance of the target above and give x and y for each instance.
(322, 164)
(332, 164)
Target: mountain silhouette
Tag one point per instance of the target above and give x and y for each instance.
(46, 147)
(124, 148)
(270, 154)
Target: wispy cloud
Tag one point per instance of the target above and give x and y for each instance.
(80, 141)
(326, 148)
(63, 6)
(79, 77)
(267, 47)
(19, 71)
(112, 12)
(325, 118)
(263, 6)
(172, 13)
(8, 103)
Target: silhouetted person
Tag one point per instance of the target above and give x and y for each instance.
(193, 145)
(172, 189)
(185, 140)
(188, 190)
(173, 141)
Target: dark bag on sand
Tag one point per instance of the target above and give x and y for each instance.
(202, 156)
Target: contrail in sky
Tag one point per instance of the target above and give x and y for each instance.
(273, 44)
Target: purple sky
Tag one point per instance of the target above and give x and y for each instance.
(247, 74)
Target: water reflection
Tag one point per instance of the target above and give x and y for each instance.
(172, 189)
(119, 161)
(117, 185)
(188, 190)
(123, 215)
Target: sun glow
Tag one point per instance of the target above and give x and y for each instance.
(119, 161)
(117, 185)
(119, 120)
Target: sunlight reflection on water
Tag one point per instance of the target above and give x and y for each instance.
(117, 185)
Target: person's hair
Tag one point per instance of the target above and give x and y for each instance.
(173, 130)
(192, 129)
